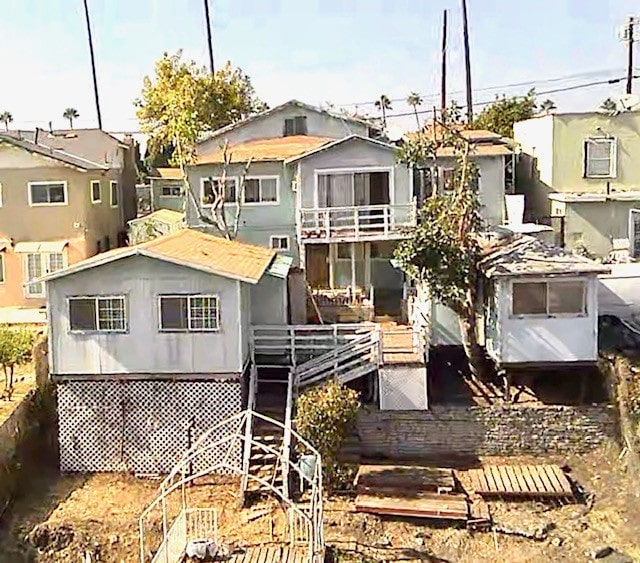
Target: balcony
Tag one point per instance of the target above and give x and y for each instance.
(356, 223)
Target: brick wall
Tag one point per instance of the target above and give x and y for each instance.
(498, 430)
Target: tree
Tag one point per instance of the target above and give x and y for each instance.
(383, 104)
(414, 100)
(16, 346)
(183, 101)
(548, 106)
(500, 116)
(609, 106)
(442, 252)
(71, 114)
(6, 118)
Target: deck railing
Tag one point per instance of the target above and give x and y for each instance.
(356, 222)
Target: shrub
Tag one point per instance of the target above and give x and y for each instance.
(16, 346)
(324, 417)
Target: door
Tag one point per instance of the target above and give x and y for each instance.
(387, 281)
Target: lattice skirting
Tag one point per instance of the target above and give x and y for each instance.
(139, 426)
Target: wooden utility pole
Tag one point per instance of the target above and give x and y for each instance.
(467, 62)
(630, 56)
(209, 40)
(443, 86)
(93, 65)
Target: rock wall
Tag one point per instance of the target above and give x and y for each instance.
(498, 430)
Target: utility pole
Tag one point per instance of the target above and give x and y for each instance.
(209, 40)
(443, 86)
(467, 62)
(93, 65)
(627, 34)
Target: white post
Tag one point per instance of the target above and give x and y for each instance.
(356, 218)
(386, 219)
(327, 223)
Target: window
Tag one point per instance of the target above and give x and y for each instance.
(295, 125)
(189, 313)
(0, 195)
(100, 314)
(280, 242)
(38, 264)
(47, 193)
(114, 193)
(634, 232)
(211, 187)
(446, 180)
(549, 298)
(600, 158)
(2, 274)
(261, 190)
(349, 188)
(96, 191)
(174, 190)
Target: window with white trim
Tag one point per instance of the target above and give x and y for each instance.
(2, 272)
(96, 191)
(261, 190)
(212, 187)
(600, 157)
(47, 193)
(38, 264)
(189, 313)
(172, 190)
(549, 298)
(279, 242)
(98, 314)
(113, 193)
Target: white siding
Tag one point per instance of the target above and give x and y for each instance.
(143, 349)
(269, 301)
(618, 291)
(536, 139)
(491, 192)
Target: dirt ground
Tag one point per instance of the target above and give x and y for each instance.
(98, 514)
(24, 381)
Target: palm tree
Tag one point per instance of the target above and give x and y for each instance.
(70, 114)
(548, 106)
(383, 104)
(6, 118)
(414, 100)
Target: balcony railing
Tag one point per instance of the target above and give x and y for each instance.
(359, 222)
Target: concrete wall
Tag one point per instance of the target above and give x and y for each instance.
(499, 430)
(319, 124)
(143, 349)
(618, 291)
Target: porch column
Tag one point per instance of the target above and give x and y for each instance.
(353, 266)
(333, 251)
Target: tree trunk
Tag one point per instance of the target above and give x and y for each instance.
(473, 350)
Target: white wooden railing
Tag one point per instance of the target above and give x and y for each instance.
(352, 296)
(356, 222)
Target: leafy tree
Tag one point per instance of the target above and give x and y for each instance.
(443, 250)
(414, 100)
(16, 346)
(548, 105)
(183, 101)
(6, 118)
(71, 114)
(383, 104)
(609, 106)
(500, 116)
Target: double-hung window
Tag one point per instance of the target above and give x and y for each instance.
(96, 191)
(98, 314)
(600, 157)
(550, 298)
(47, 193)
(189, 313)
(38, 264)
(114, 196)
(261, 190)
(212, 188)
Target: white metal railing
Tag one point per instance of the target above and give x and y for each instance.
(356, 222)
(190, 524)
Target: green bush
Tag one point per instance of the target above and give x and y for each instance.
(324, 417)
(16, 347)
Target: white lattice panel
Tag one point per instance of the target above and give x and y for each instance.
(139, 426)
(403, 388)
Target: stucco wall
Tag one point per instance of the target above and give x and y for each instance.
(158, 201)
(143, 349)
(269, 301)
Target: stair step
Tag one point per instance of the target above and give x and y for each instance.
(267, 438)
(262, 456)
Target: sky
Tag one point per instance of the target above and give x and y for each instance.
(344, 52)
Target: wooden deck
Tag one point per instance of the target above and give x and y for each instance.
(426, 505)
(270, 554)
(518, 480)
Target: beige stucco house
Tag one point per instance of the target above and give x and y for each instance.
(64, 196)
(580, 171)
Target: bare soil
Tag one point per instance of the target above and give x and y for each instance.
(98, 514)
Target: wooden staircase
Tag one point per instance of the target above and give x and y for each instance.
(263, 463)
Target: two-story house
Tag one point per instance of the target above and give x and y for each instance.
(64, 196)
(580, 169)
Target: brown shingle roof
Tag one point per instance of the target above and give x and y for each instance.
(275, 149)
(168, 173)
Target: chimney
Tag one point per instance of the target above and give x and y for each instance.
(515, 209)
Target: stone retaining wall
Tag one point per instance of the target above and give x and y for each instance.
(498, 430)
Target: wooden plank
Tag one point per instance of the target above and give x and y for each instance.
(439, 506)
(402, 476)
(562, 479)
(536, 478)
(495, 474)
(506, 480)
(526, 473)
(482, 480)
(491, 482)
(264, 555)
(285, 554)
(555, 479)
(522, 483)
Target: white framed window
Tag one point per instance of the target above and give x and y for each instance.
(96, 191)
(113, 193)
(600, 157)
(634, 232)
(346, 187)
(259, 190)
(279, 242)
(172, 190)
(38, 264)
(98, 313)
(2, 270)
(211, 186)
(189, 313)
(47, 193)
(549, 298)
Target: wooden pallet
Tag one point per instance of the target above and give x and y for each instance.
(270, 554)
(443, 506)
(517, 480)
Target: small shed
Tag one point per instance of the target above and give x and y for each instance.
(167, 189)
(540, 304)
